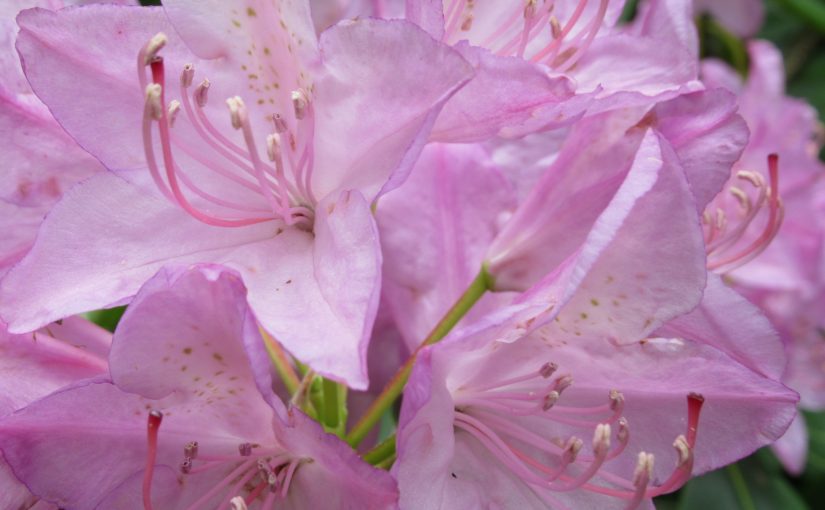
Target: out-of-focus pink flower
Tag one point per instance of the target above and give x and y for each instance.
(296, 225)
(741, 17)
(36, 364)
(784, 271)
(188, 347)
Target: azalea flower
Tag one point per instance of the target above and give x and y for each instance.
(191, 181)
(41, 160)
(187, 362)
(781, 269)
(595, 64)
(37, 364)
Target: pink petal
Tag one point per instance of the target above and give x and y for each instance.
(374, 115)
(505, 93)
(792, 448)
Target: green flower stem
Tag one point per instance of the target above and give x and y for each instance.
(740, 486)
(382, 452)
(331, 414)
(281, 362)
(811, 12)
(735, 47)
(481, 284)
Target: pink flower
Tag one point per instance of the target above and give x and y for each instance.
(741, 17)
(40, 160)
(188, 347)
(534, 410)
(39, 363)
(782, 268)
(544, 64)
(297, 225)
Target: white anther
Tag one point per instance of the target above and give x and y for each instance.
(721, 219)
(172, 112)
(550, 400)
(616, 400)
(530, 9)
(555, 27)
(624, 430)
(742, 197)
(467, 24)
(202, 93)
(548, 369)
(153, 93)
(683, 449)
(752, 177)
(155, 44)
(187, 75)
(237, 111)
(273, 146)
(237, 503)
(564, 382)
(300, 102)
(572, 449)
(279, 123)
(644, 469)
(601, 438)
(186, 466)
(191, 450)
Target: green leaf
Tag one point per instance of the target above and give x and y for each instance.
(752, 484)
(107, 319)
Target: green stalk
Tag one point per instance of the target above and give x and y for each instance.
(481, 284)
(281, 362)
(740, 486)
(811, 12)
(330, 403)
(382, 452)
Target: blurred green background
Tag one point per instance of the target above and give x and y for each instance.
(797, 27)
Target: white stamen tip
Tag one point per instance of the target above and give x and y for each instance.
(187, 75)
(555, 27)
(237, 111)
(191, 450)
(563, 382)
(624, 431)
(530, 9)
(644, 469)
(153, 93)
(548, 369)
(279, 123)
(683, 449)
(174, 109)
(550, 400)
(237, 503)
(572, 449)
(202, 93)
(601, 438)
(273, 147)
(300, 102)
(155, 44)
(616, 400)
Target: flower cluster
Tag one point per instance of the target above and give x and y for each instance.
(431, 254)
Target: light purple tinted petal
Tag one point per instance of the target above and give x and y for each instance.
(435, 230)
(191, 331)
(373, 115)
(100, 243)
(347, 268)
(731, 324)
(505, 93)
(792, 448)
(428, 14)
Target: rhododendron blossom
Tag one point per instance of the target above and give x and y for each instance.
(400, 254)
